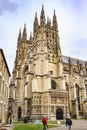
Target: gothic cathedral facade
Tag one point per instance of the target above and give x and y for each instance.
(44, 82)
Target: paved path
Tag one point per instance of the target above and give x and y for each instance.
(77, 125)
(7, 127)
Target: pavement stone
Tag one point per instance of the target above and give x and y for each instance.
(7, 127)
(77, 125)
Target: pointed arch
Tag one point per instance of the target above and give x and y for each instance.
(59, 114)
(19, 113)
(53, 84)
(25, 69)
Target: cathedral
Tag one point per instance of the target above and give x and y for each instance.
(45, 82)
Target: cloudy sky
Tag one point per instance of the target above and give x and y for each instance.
(71, 17)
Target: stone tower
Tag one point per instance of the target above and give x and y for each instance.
(42, 80)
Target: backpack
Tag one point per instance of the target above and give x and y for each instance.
(69, 122)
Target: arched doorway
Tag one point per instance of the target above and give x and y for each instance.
(59, 114)
(19, 112)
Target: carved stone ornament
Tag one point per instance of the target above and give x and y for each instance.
(51, 46)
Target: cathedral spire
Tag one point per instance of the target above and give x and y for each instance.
(24, 36)
(42, 17)
(36, 25)
(55, 26)
(19, 36)
(30, 39)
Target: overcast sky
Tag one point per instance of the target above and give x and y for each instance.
(71, 17)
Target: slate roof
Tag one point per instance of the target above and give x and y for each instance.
(74, 61)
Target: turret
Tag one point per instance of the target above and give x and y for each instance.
(36, 25)
(42, 17)
(19, 37)
(24, 36)
(70, 65)
(69, 60)
(55, 26)
(30, 39)
(81, 69)
(78, 65)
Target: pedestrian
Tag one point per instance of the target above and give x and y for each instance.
(10, 120)
(69, 123)
(44, 121)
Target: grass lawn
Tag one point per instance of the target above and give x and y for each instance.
(52, 122)
(31, 126)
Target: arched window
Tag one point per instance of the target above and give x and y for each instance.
(46, 34)
(67, 87)
(53, 84)
(25, 69)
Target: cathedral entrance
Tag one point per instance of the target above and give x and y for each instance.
(19, 113)
(59, 114)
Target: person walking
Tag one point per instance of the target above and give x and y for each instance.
(10, 120)
(44, 121)
(69, 123)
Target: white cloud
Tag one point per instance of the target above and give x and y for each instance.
(7, 5)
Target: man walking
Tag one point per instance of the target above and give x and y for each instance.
(68, 123)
